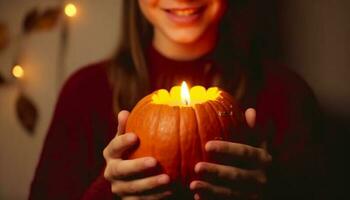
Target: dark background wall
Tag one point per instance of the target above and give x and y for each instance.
(315, 40)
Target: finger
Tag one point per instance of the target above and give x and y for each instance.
(139, 186)
(250, 116)
(156, 196)
(231, 174)
(122, 118)
(241, 151)
(119, 145)
(121, 169)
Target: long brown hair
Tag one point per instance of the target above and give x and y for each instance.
(234, 53)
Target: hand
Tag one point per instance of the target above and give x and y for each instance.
(122, 173)
(231, 182)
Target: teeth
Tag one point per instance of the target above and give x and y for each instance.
(184, 12)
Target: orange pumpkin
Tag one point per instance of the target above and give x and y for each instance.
(175, 131)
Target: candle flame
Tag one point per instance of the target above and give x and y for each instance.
(185, 94)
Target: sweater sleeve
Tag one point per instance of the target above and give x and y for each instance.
(68, 168)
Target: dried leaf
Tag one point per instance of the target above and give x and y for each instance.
(4, 37)
(2, 80)
(46, 20)
(27, 113)
(30, 20)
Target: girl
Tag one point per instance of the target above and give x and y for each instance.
(206, 42)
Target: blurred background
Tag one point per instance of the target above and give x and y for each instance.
(42, 42)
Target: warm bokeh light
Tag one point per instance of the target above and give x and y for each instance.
(182, 96)
(17, 71)
(70, 10)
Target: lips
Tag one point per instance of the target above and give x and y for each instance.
(185, 16)
(184, 11)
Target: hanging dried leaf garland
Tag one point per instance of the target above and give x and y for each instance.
(35, 20)
(27, 113)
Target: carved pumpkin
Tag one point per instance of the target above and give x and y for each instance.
(175, 130)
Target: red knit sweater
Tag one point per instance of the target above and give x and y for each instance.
(71, 164)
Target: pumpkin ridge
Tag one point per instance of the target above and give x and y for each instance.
(216, 109)
(139, 107)
(227, 100)
(178, 112)
(199, 131)
(214, 120)
(233, 121)
(156, 130)
(230, 120)
(147, 110)
(237, 118)
(134, 115)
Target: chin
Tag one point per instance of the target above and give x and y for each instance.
(185, 37)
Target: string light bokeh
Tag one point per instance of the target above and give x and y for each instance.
(70, 10)
(17, 71)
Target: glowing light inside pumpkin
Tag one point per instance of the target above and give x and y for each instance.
(182, 96)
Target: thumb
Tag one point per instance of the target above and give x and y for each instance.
(250, 116)
(122, 118)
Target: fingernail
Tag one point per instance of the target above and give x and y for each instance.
(163, 179)
(130, 137)
(150, 162)
(195, 185)
(192, 185)
(209, 146)
(197, 168)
